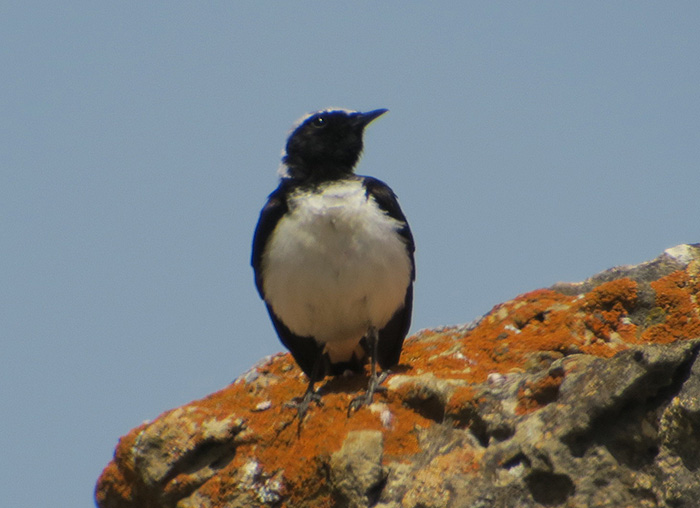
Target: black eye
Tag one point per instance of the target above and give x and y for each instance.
(319, 121)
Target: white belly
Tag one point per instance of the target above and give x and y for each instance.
(334, 266)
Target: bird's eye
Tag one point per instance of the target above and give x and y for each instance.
(319, 121)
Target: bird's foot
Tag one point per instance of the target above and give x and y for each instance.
(367, 398)
(301, 404)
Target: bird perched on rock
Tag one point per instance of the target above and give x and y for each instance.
(333, 256)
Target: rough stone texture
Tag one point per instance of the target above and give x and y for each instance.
(356, 469)
(581, 395)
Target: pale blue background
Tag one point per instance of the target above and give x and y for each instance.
(529, 142)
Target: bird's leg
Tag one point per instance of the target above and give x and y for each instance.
(302, 406)
(374, 379)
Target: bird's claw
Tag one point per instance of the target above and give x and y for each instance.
(367, 398)
(302, 405)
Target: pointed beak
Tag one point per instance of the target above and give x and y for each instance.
(366, 118)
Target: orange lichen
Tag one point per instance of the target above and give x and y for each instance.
(277, 445)
(461, 397)
(119, 477)
(113, 483)
(676, 298)
(606, 308)
(536, 394)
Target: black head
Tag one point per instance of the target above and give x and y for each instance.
(327, 144)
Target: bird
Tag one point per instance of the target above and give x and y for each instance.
(333, 257)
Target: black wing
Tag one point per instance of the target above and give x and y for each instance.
(270, 215)
(392, 335)
(305, 350)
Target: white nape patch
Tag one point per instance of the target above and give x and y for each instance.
(334, 266)
(283, 170)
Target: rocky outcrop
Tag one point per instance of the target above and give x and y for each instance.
(580, 395)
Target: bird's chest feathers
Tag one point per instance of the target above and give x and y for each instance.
(338, 226)
(335, 257)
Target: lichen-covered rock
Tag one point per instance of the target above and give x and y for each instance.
(581, 395)
(356, 473)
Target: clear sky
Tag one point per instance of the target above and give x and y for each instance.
(528, 142)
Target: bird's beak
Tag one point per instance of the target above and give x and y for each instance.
(366, 118)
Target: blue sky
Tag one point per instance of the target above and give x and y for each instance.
(529, 143)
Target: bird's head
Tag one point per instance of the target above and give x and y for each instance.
(326, 145)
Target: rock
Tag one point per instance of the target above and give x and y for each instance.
(580, 395)
(356, 475)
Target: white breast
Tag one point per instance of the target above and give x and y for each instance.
(334, 266)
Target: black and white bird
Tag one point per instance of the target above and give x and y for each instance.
(333, 256)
